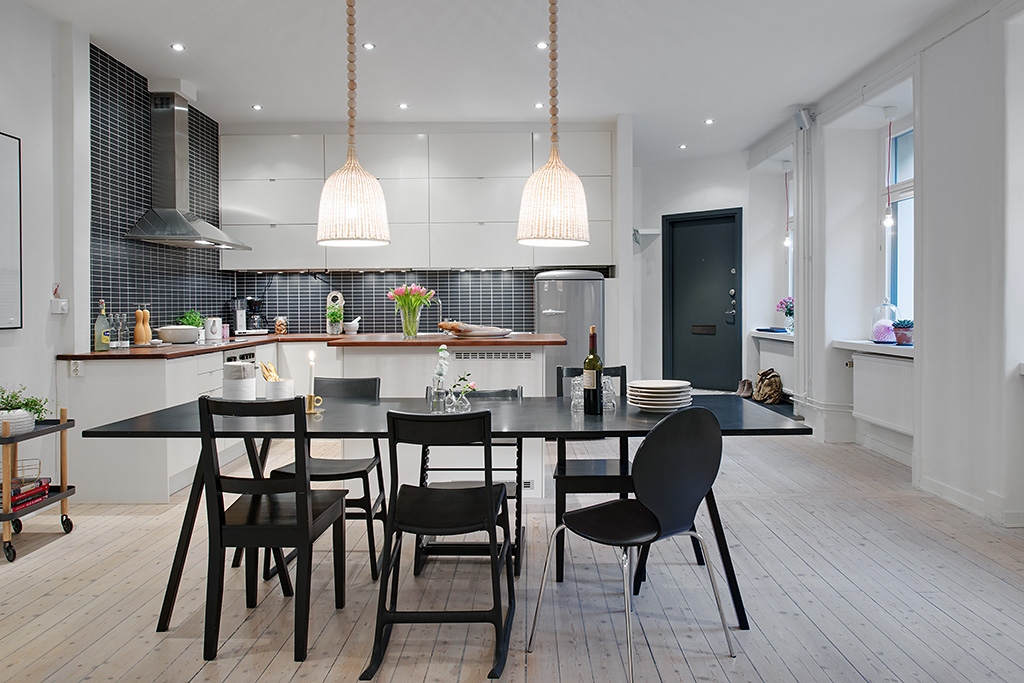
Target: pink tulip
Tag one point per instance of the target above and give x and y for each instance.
(391, 295)
(430, 295)
(400, 291)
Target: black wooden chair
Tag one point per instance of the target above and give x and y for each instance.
(443, 511)
(673, 470)
(589, 475)
(367, 506)
(274, 513)
(513, 480)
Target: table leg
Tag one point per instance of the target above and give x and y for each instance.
(188, 523)
(559, 511)
(730, 571)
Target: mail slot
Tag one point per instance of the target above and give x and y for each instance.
(702, 329)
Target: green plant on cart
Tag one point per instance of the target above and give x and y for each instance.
(15, 399)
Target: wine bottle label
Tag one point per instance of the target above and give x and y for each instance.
(590, 379)
(105, 334)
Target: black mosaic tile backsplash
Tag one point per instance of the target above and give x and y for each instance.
(172, 280)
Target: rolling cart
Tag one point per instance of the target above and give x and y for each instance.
(12, 519)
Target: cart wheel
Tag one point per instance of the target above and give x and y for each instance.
(66, 522)
(9, 552)
(16, 525)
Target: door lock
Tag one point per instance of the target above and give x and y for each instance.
(732, 312)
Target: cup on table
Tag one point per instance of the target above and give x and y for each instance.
(283, 388)
(577, 394)
(607, 393)
(312, 402)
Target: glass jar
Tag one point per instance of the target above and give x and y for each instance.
(882, 319)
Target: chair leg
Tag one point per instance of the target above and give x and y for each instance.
(696, 547)
(543, 581)
(629, 608)
(252, 560)
(388, 583)
(303, 578)
(371, 545)
(214, 600)
(560, 541)
(339, 562)
(502, 627)
(714, 589)
(640, 573)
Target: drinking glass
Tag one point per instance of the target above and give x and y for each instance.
(577, 394)
(607, 393)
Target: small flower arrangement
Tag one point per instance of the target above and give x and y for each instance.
(785, 306)
(903, 324)
(408, 301)
(463, 386)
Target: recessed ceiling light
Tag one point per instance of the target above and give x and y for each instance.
(539, 105)
(542, 45)
(257, 107)
(368, 46)
(682, 146)
(177, 47)
(403, 105)
(708, 122)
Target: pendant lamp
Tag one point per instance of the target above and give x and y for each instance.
(553, 212)
(352, 210)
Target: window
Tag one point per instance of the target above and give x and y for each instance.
(899, 239)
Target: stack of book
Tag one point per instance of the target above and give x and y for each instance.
(28, 492)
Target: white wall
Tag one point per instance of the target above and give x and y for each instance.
(42, 67)
(680, 187)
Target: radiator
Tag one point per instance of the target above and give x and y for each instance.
(883, 392)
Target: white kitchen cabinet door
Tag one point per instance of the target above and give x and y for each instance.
(409, 248)
(256, 202)
(480, 155)
(407, 199)
(274, 247)
(585, 153)
(599, 197)
(477, 245)
(384, 155)
(597, 253)
(472, 200)
(254, 157)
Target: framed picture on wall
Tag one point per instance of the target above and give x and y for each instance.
(10, 232)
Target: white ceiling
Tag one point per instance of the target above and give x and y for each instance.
(749, 64)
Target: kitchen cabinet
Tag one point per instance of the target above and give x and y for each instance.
(262, 157)
(402, 155)
(275, 247)
(480, 155)
(409, 248)
(599, 197)
(586, 153)
(470, 200)
(256, 202)
(407, 199)
(472, 245)
(598, 252)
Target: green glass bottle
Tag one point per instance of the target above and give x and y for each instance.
(592, 367)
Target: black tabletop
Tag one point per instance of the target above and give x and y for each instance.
(528, 418)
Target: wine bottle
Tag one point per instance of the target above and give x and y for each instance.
(101, 339)
(592, 367)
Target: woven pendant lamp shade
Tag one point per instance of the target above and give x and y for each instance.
(553, 212)
(352, 209)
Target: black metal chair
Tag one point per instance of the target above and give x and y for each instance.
(274, 513)
(589, 475)
(673, 470)
(343, 469)
(425, 548)
(443, 511)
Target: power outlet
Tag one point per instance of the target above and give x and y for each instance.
(77, 368)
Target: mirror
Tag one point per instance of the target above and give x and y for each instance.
(10, 232)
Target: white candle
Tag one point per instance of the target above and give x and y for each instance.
(311, 373)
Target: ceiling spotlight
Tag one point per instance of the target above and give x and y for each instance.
(403, 105)
(368, 46)
(682, 146)
(177, 47)
(539, 105)
(257, 107)
(542, 45)
(708, 122)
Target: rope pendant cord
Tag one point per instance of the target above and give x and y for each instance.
(553, 68)
(888, 171)
(351, 72)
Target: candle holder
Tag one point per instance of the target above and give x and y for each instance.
(312, 404)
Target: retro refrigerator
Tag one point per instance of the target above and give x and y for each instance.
(568, 302)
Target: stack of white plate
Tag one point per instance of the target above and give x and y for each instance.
(659, 395)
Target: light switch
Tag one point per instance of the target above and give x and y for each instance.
(58, 306)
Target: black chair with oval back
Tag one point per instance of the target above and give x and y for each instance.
(267, 513)
(512, 478)
(673, 470)
(367, 506)
(423, 510)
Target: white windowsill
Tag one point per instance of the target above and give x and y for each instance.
(778, 336)
(865, 346)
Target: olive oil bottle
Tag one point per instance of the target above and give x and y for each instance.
(101, 331)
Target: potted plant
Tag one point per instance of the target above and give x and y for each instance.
(20, 410)
(335, 314)
(904, 330)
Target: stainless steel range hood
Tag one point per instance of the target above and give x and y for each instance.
(169, 221)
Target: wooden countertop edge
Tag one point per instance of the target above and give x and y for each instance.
(173, 351)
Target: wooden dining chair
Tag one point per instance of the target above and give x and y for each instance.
(282, 512)
(368, 506)
(423, 510)
(673, 470)
(509, 474)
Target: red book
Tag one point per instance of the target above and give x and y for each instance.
(40, 495)
(33, 492)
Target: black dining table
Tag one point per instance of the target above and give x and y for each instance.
(533, 417)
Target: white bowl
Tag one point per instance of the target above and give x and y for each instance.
(178, 334)
(350, 328)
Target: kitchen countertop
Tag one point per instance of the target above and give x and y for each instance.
(171, 351)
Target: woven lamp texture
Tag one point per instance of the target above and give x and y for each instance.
(554, 207)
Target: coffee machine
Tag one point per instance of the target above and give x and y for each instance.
(239, 313)
(255, 322)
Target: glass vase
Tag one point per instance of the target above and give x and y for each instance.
(789, 324)
(410, 321)
(438, 394)
(457, 403)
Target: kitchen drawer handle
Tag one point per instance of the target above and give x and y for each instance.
(551, 311)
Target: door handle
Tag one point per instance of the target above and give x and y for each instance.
(551, 311)
(732, 312)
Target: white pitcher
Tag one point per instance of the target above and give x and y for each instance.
(211, 326)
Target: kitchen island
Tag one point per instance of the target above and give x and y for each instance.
(103, 387)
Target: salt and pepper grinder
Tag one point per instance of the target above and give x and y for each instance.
(147, 330)
(140, 331)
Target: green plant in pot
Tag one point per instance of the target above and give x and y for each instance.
(335, 314)
(904, 330)
(192, 319)
(21, 411)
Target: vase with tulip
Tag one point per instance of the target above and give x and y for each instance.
(409, 300)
